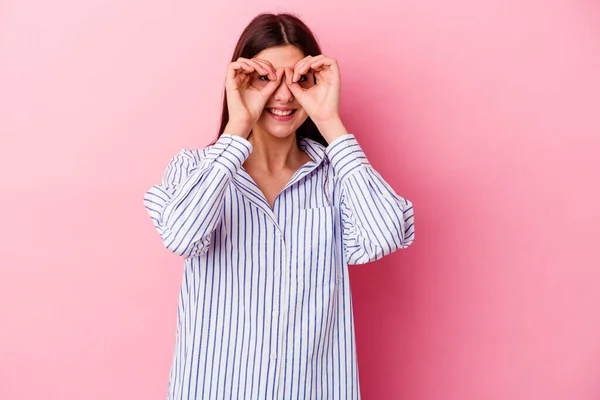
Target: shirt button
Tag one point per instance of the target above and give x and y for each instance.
(275, 313)
(273, 356)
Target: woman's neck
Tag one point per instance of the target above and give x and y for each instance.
(272, 155)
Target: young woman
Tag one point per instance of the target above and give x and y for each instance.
(267, 219)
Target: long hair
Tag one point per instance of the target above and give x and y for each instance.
(271, 30)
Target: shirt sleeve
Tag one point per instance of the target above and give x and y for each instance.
(375, 220)
(187, 205)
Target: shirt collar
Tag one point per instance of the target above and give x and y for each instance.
(314, 149)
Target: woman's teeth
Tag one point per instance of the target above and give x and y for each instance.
(282, 113)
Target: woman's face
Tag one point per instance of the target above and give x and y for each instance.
(281, 126)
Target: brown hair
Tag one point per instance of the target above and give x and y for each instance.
(271, 30)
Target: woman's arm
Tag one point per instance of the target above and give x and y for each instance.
(375, 220)
(187, 205)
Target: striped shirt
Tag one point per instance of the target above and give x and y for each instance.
(265, 309)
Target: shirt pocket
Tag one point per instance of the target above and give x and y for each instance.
(313, 246)
(313, 266)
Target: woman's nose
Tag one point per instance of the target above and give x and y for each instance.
(283, 92)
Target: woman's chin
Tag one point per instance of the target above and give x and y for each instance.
(279, 132)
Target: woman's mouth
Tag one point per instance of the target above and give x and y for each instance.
(281, 115)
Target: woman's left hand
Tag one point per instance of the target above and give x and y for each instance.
(322, 100)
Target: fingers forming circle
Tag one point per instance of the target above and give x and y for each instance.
(299, 67)
(261, 69)
(272, 74)
(306, 64)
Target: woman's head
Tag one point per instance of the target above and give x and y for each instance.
(283, 40)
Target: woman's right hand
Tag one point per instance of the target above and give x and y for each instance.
(249, 84)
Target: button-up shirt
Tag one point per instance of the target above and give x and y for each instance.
(265, 309)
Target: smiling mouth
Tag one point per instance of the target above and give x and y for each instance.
(281, 113)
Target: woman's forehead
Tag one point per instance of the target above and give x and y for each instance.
(281, 56)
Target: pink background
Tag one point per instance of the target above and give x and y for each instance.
(485, 114)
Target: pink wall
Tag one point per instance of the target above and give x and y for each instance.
(484, 113)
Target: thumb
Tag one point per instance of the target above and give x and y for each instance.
(295, 88)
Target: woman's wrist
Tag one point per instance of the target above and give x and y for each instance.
(238, 129)
(331, 129)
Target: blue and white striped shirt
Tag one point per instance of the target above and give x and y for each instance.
(265, 309)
